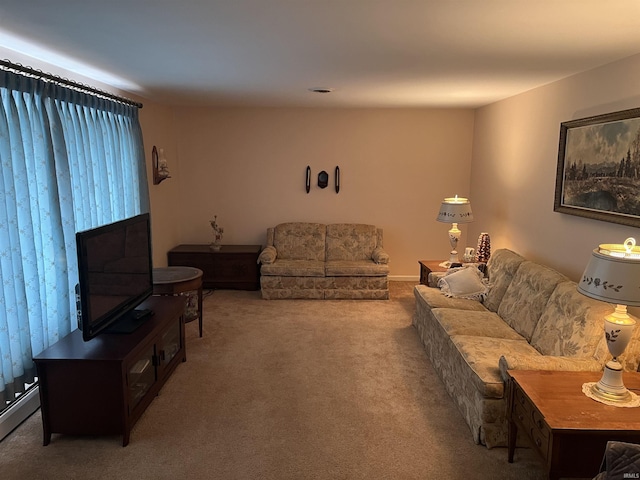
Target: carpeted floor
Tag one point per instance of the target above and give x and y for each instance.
(286, 389)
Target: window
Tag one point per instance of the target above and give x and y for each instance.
(69, 160)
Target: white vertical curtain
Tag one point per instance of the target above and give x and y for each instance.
(69, 161)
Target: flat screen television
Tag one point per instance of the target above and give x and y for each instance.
(115, 273)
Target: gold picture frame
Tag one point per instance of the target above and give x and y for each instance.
(598, 173)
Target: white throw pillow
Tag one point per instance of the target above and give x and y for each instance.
(464, 283)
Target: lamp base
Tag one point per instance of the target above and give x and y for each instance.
(453, 260)
(610, 387)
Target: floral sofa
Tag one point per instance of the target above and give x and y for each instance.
(318, 261)
(530, 317)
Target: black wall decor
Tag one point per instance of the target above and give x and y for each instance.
(323, 179)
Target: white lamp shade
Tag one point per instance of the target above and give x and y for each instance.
(613, 274)
(455, 210)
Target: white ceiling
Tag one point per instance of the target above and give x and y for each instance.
(377, 53)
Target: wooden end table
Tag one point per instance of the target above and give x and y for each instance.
(177, 280)
(428, 266)
(568, 429)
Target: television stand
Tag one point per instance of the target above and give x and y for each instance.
(130, 321)
(102, 387)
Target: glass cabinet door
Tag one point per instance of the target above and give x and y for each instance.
(141, 376)
(170, 342)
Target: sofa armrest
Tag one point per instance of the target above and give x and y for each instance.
(379, 255)
(434, 277)
(268, 255)
(546, 362)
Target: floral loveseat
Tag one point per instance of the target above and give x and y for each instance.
(531, 318)
(318, 261)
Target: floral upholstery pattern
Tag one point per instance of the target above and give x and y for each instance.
(482, 355)
(548, 326)
(343, 268)
(571, 325)
(346, 241)
(312, 260)
(630, 358)
(357, 288)
(300, 241)
(379, 255)
(473, 323)
(268, 255)
(527, 296)
(281, 287)
(501, 268)
(434, 298)
(517, 361)
(294, 268)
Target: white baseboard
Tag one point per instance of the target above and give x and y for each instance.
(19, 411)
(404, 278)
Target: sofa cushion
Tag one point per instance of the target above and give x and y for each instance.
(501, 268)
(481, 355)
(571, 324)
(293, 268)
(434, 298)
(362, 268)
(350, 241)
(300, 241)
(463, 283)
(474, 323)
(527, 296)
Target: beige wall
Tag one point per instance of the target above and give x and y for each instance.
(515, 155)
(157, 128)
(248, 167)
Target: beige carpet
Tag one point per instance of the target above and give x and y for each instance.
(286, 389)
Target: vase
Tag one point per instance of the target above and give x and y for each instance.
(217, 242)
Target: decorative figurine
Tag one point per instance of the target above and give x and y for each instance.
(217, 234)
(483, 252)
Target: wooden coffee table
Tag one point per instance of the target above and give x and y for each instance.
(568, 429)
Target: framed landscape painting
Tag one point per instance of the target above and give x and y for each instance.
(599, 168)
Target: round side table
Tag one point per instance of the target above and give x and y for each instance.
(180, 280)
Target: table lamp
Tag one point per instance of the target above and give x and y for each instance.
(613, 276)
(454, 210)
